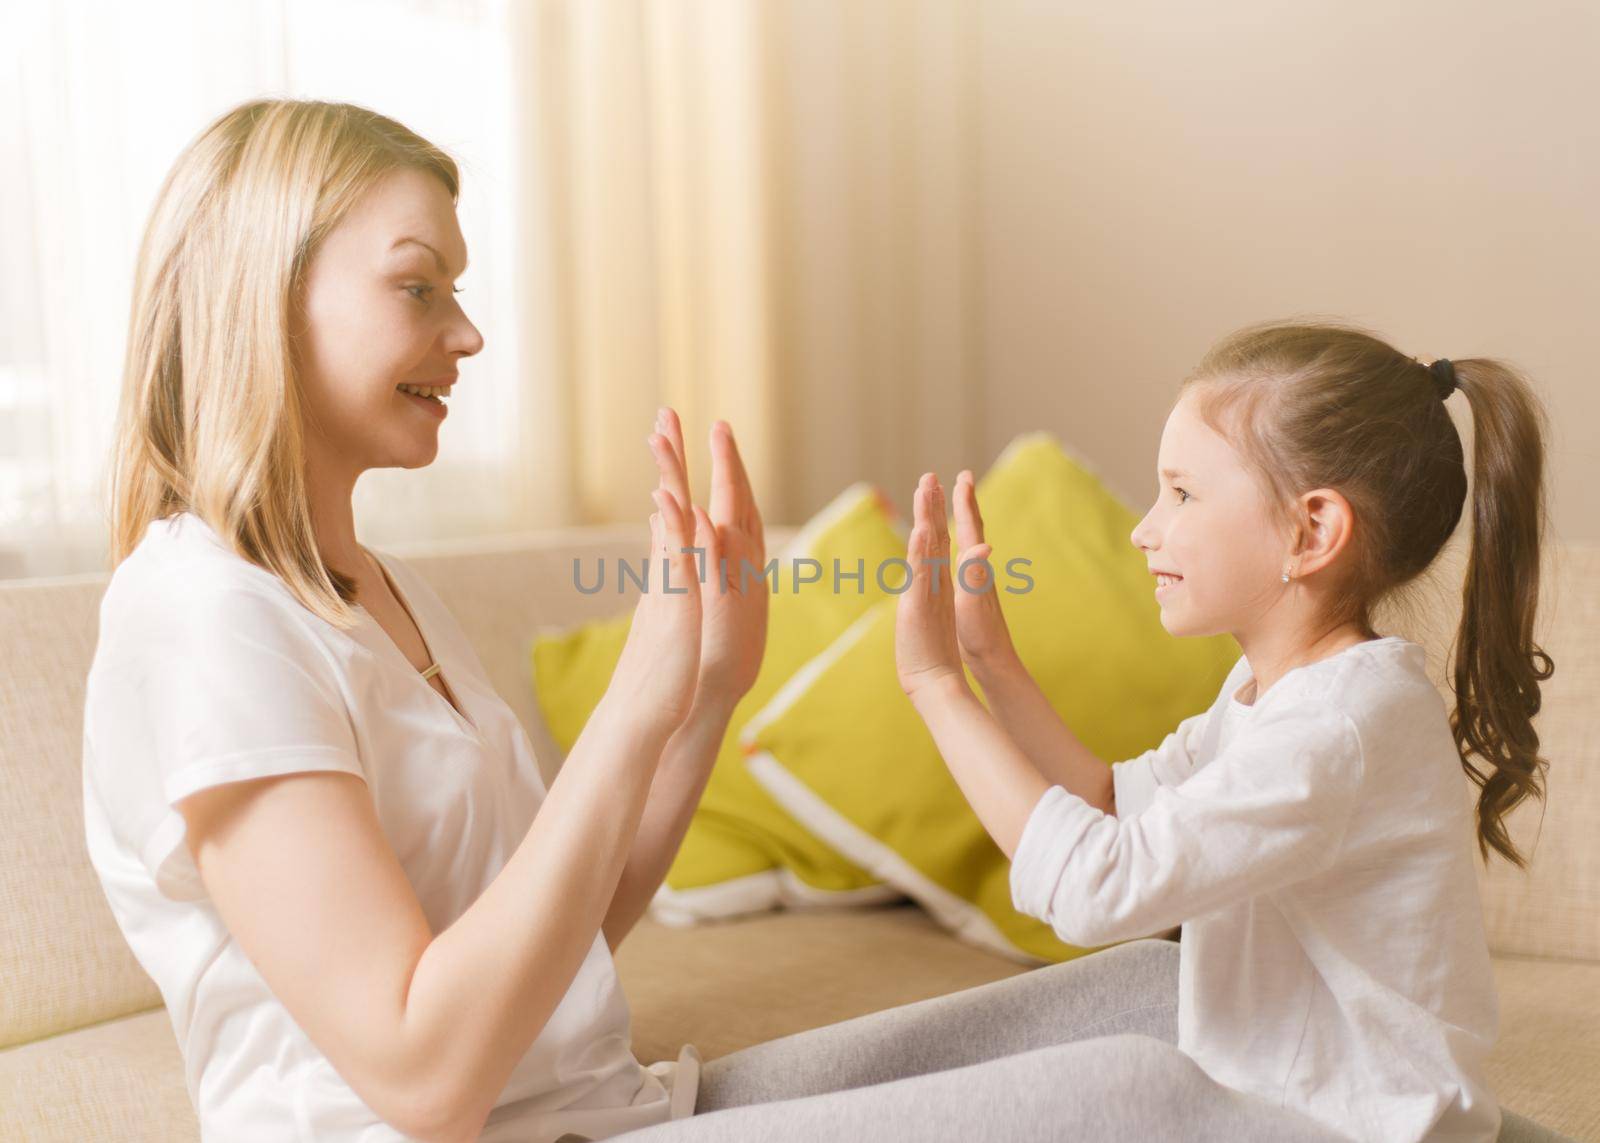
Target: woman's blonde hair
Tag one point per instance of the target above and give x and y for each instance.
(210, 416)
(1327, 405)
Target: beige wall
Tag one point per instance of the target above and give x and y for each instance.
(1153, 175)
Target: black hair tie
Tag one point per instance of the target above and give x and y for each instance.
(1444, 377)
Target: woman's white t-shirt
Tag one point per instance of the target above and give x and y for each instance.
(1316, 844)
(208, 671)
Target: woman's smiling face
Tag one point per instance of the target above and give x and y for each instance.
(379, 311)
(1210, 526)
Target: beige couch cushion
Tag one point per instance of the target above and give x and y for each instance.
(63, 962)
(121, 1080)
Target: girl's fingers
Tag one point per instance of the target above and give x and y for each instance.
(941, 525)
(977, 575)
(969, 522)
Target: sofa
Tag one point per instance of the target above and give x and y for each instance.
(87, 1052)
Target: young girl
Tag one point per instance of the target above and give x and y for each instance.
(1309, 830)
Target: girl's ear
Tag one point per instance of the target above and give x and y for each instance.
(1326, 525)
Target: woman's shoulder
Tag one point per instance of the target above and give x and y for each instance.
(183, 578)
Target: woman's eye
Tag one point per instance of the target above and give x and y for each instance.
(419, 292)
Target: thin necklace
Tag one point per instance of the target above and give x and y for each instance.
(434, 667)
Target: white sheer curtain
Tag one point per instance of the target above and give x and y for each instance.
(98, 98)
(758, 210)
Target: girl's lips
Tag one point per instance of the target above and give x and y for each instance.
(1161, 587)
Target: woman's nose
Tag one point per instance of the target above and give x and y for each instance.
(464, 339)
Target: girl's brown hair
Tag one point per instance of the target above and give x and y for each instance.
(1327, 405)
(210, 417)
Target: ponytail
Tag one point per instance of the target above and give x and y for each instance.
(1498, 667)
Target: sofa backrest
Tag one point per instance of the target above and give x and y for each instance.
(64, 964)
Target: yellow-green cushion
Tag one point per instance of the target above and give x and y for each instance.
(843, 750)
(742, 852)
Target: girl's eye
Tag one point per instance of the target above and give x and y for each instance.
(1184, 497)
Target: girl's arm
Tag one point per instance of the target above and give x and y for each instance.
(998, 779)
(1021, 707)
(1011, 692)
(1269, 811)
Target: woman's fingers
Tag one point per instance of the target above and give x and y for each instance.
(732, 501)
(669, 426)
(670, 466)
(677, 530)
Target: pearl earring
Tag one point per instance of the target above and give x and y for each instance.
(1285, 577)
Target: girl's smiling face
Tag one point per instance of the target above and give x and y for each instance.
(380, 310)
(1210, 527)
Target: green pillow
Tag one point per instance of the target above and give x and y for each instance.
(843, 750)
(743, 853)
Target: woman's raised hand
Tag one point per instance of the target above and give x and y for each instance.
(732, 556)
(980, 624)
(658, 671)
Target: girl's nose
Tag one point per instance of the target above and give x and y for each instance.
(1141, 534)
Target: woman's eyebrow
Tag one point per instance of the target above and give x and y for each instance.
(437, 257)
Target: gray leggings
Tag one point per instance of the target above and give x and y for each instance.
(1083, 1050)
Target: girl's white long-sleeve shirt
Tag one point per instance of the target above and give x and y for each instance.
(1317, 846)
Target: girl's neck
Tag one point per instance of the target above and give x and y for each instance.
(1273, 655)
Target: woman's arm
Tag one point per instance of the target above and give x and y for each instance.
(733, 641)
(674, 795)
(426, 1027)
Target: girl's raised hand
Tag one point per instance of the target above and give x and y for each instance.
(732, 537)
(925, 647)
(658, 671)
(980, 624)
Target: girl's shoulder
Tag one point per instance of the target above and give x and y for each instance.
(1378, 679)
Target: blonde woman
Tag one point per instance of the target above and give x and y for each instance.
(313, 817)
